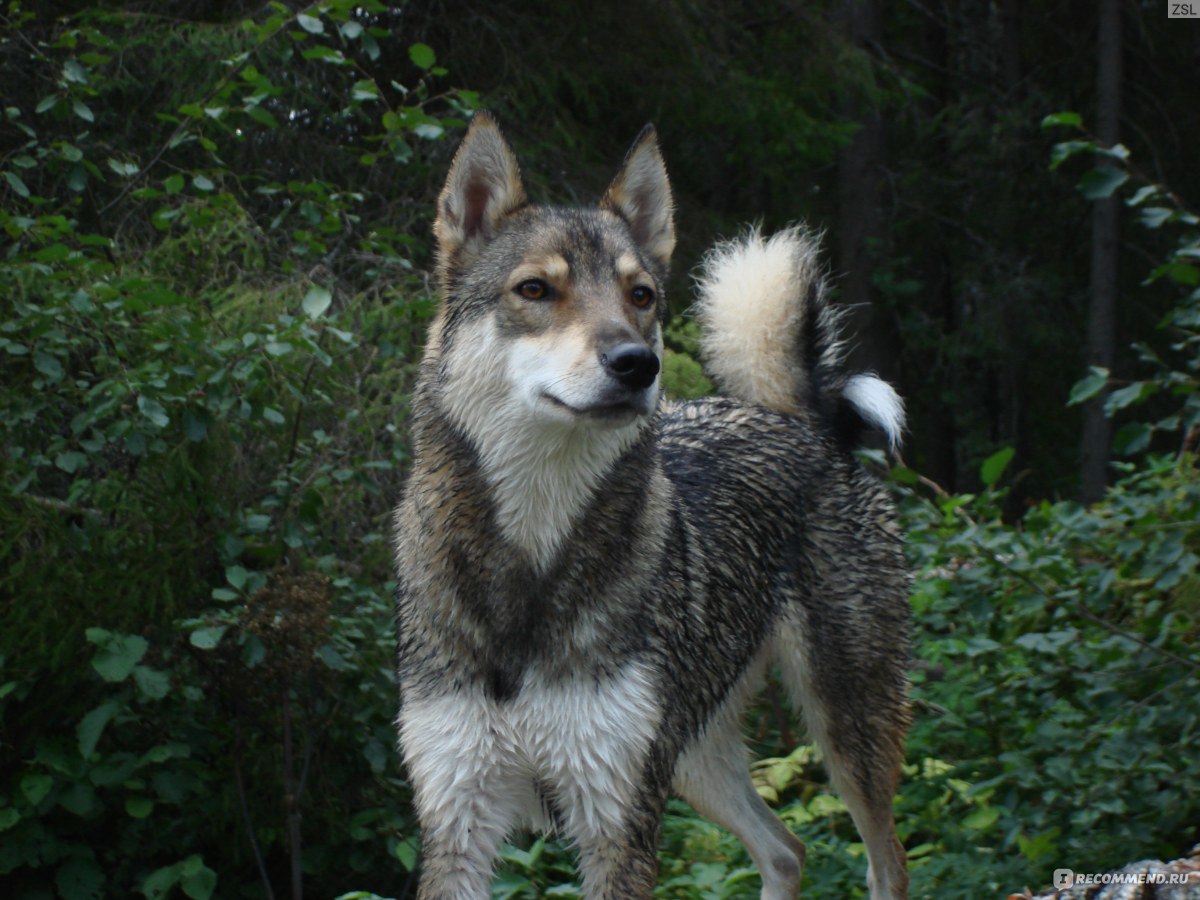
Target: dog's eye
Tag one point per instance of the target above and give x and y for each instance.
(642, 296)
(534, 289)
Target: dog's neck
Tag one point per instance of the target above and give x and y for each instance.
(541, 475)
(544, 478)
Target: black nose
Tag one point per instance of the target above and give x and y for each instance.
(634, 365)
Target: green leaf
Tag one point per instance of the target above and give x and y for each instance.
(153, 410)
(254, 651)
(117, 656)
(1129, 395)
(1100, 183)
(139, 807)
(376, 755)
(202, 183)
(36, 787)
(982, 818)
(122, 168)
(1070, 119)
(194, 427)
(325, 54)
(311, 24)
(1089, 386)
(1061, 152)
(173, 184)
(422, 55)
(993, 467)
(237, 576)
(257, 523)
(1133, 437)
(1184, 273)
(81, 109)
(208, 637)
(333, 659)
(1144, 193)
(8, 818)
(406, 854)
(198, 880)
(1040, 846)
(1155, 216)
(15, 182)
(371, 46)
(53, 253)
(74, 72)
(262, 116)
(92, 726)
(316, 301)
(364, 90)
(80, 878)
(48, 366)
(153, 684)
(158, 884)
(70, 461)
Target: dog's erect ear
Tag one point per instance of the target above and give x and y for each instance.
(484, 186)
(641, 195)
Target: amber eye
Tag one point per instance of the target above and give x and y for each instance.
(642, 296)
(534, 289)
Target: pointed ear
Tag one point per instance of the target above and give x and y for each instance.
(484, 186)
(641, 195)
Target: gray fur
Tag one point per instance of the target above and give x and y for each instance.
(579, 685)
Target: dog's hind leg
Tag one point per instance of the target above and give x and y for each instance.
(855, 707)
(713, 776)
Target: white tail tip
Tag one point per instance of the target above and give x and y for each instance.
(879, 404)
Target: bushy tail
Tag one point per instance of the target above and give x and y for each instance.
(769, 334)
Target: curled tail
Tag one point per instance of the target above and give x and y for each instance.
(769, 334)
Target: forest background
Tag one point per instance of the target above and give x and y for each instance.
(216, 219)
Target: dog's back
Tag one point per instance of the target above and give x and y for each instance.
(590, 591)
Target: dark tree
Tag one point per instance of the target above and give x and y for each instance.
(1104, 285)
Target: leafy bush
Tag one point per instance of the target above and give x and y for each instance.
(206, 353)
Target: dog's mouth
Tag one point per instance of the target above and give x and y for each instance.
(601, 412)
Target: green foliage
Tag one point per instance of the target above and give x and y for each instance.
(683, 377)
(1174, 378)
(207, 336)
(1055, 660)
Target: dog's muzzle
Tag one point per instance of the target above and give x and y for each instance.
(635, 366)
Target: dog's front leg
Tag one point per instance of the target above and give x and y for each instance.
(624, 865)
(618, 841)
(606, 762)
(468, 791)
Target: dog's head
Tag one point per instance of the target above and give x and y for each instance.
(557, 311)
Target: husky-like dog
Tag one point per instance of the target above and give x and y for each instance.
(591, 586)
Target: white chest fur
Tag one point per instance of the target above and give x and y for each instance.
(480, 764)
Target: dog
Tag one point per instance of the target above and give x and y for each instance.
(592, 584)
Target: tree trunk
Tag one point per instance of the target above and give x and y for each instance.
(860, 225)
(1101, 326)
